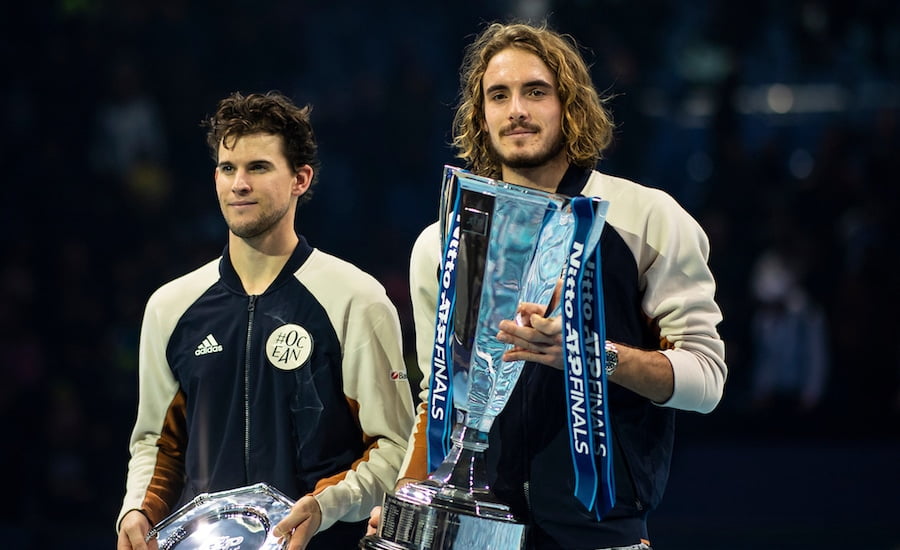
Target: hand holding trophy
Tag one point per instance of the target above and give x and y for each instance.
(502, 245)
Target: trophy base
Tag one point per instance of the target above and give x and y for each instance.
(427, 516)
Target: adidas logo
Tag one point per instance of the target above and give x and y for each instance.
(208, 345)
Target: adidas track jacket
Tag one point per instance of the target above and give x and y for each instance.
(303, 387)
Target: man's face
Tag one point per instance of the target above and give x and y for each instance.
(522, 110)
(257, 189)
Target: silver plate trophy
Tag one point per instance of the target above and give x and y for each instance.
(237, 519)
(502, 244)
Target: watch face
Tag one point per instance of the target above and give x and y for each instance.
(238, 519)
(612, 357)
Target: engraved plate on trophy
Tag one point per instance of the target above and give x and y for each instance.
(237, 519)
(502, 245)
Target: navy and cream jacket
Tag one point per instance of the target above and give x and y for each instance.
(302, 387)
(658, 295)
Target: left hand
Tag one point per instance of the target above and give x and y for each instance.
(534, 337)
(374, 520)
(301, 523)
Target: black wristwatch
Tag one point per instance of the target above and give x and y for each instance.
(612, 357)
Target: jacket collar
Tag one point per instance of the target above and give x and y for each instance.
(298, 258)
(573, 181)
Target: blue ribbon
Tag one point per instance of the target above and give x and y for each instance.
(440, 389)
(584, 332)
(600, 422)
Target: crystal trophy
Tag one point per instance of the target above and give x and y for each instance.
(502, 245)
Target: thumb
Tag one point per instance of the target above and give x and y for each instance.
(301, 511)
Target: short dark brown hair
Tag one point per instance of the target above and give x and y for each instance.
(270, 113)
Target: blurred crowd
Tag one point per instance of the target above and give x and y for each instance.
(774, 123)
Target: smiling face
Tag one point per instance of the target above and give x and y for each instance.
(522, 111)
(257, 188)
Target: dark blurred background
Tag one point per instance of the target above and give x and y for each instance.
(775, 123)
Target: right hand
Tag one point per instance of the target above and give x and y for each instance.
(533, 337)
(132, 532)
(299, 526)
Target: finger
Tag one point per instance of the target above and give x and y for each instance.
(300, 537)
(548, 359)
(527, 309)
(131, 538)
(551, 328)
(521, 345)
(513, 340)
(524, 337)
(551, 359)
(374, 519)
(523, 331)
(520, 355)
(133, 532)
(295, 517)
(123, 542)
(283, 529)
(294, 543)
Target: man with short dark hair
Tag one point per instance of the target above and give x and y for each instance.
(275, 363)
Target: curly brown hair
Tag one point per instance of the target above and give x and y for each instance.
(587, 125)
(270, 113)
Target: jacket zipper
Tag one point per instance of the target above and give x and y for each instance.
(526, 487)
(251, 308)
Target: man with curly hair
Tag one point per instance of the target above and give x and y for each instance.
(530, 115)
(275, 363)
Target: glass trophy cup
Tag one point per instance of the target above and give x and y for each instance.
(502, 245)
